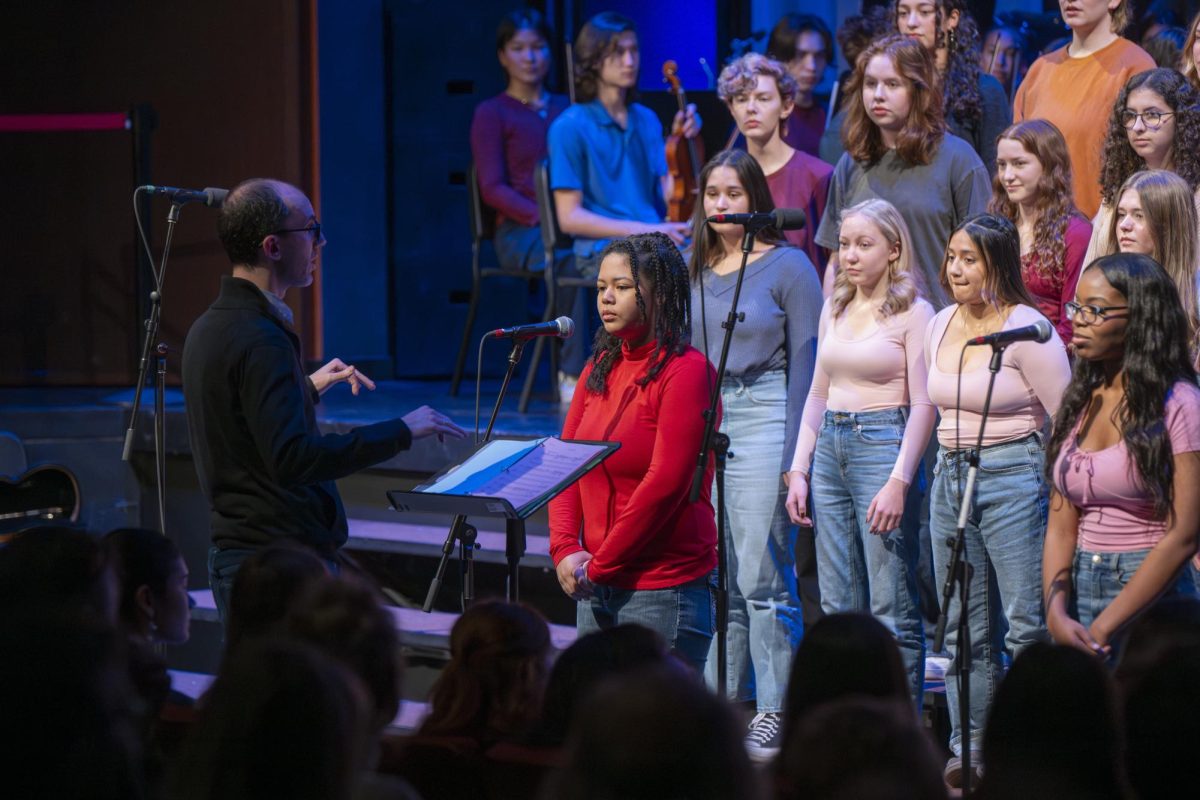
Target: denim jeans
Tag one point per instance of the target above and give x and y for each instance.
(684, 615)
(765, 624)
(1005, 529)
(1099, 577)
(860, 570)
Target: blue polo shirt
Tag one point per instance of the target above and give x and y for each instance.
(618, 170)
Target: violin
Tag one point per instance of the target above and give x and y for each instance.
(684, 157)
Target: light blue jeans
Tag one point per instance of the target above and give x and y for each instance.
(685, 615)
(1099, 577)
(1005, 529)
(765, 624)
(859, 570)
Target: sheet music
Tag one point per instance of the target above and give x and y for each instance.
(488, 462)
(539, 472)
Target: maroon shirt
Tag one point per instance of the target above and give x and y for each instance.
(803, 182)
(804, 128)
(508, 139)
(1057, 289)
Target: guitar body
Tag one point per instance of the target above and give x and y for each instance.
(44, 494)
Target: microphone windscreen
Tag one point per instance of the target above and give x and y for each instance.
(215, 198)
(1044, 331)
(566, 327)
(789, 219)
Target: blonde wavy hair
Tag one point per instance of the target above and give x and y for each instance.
(903, 284)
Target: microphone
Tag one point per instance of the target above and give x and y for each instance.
(213, 198)
(785, 219)
(1039, 332)
(563, 327)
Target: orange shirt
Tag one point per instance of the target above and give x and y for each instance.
(1077, 95)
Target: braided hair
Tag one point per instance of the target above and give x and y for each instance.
(654, 260)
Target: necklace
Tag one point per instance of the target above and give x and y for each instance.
(537, 103)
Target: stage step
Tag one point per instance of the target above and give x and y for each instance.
(426, 540)
(194, 684)
(429, 633)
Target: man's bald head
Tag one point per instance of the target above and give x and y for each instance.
(254, 209)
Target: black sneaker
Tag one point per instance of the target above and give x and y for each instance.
(763, 736)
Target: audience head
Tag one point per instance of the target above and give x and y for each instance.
(1004, 56)
(606, 51)
(643, 296)
(1155, 124)
(653, 733)
(873, 246)
(803, 43)
(1053, 728)
(58, 567)
(266, 587)
(585, 664)
(523, 46)
(344, 619)
(899, 99)
(153, 584)
(1190, 57)
(1166, 47)
(983, 263)
(760, 94)
(281, 720)
(492, 688)
(1128, 311)
(859, 748)
(731, 182)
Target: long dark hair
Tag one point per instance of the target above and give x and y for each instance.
(1156, 358)
(998, 242)
(654, 258)
(706, 243)
(1119, 158)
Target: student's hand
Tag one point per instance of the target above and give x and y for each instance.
(688, 122)
(677, 231)
(572, 575)
(797, 499)
(1070, 632)
(426, 421)
(1101, 637)
(887, 507)
(337, 371)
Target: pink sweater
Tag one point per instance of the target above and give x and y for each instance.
(1116, 514)
(1029, 386)
(880, 370)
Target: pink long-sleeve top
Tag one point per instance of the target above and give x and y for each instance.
(1029, 386)
(879, 370)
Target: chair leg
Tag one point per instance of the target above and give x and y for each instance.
(531, 375)
(461, 361)
(551, 310)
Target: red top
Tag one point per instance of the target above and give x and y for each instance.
(803, 182)
(1058, 289)
(804, 129)
(638, 524)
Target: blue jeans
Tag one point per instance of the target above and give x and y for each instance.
(765, 624)
(684, 615)
(1005, 529)
(860, 570)
(1099, 577)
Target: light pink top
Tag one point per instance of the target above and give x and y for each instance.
(1029, 386)
(1116, 515)
(879, 370)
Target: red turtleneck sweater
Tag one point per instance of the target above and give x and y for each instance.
(637, 522)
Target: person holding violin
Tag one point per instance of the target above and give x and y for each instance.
(608, 166)
(761, 96)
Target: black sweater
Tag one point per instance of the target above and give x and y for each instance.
(264, 466)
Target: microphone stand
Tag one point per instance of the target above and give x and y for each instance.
(718, 443)
(151, 326)
(465, 533)
(960, 573)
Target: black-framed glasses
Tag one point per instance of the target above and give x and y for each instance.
(314, 229)
(1151, 119)
(1090, 315)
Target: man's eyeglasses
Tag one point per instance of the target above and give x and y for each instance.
(314, 229)
(1089, 315)
(1151, 119)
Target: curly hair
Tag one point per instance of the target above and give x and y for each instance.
(999, 246)
(252, 211)
(902, 281)
(1156, 357)
(740, 75)
(653, 259)
(1055, 201)
(596, 41)
(925, 127)
(960, 80)
(1120, 160)
(706, 243)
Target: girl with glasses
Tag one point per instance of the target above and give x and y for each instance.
(1124, 456)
